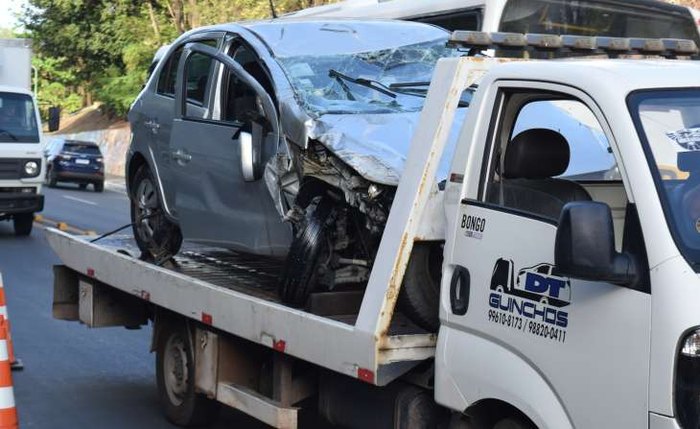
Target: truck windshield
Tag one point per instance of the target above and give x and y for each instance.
(599, 18)
(18, 122)
(668, 122)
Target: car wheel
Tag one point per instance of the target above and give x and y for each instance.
(23, 224)
(155, 235)
(310, 245)
(99, 186)
(83, 186)
(50, 178)
(175, 372)
(420, 293)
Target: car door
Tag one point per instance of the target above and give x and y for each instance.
(562, 350)
(158, 113)
(218, 159)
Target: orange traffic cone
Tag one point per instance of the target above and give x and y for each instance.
(16, 363)
(8, 411)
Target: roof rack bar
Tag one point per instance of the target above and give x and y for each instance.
(612, 46)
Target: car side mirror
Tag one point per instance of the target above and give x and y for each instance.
(251, 147)
(54, 118)
(585, 246)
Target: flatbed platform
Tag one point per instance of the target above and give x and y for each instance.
(236, 293)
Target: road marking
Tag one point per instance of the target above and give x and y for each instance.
(80, 200)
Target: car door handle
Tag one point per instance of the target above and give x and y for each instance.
(181, 156)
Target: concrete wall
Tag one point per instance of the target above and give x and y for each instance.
(114, 142)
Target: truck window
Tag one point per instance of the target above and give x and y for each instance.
(555, 152)
(460, 20)
(600, 18)
(18, 123)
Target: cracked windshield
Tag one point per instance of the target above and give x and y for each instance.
(364, 74)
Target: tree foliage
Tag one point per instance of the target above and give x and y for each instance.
(99, 50)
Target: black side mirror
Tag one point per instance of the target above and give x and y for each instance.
(54, 118)
(585, 246)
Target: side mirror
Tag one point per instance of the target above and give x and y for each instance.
(585, 246)
(251, 146)
(54, 118)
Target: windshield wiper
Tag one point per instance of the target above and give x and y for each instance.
(9, 134)
(414, 88)
(367, 83)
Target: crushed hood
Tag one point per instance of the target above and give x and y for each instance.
(376, 145)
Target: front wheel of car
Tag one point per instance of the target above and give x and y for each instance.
(50, 178)
(420, 293)
(156, 236)
(308, 250)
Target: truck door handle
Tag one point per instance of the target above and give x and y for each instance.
(181, 156)
(460, 286)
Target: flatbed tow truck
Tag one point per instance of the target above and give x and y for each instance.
(619, 350)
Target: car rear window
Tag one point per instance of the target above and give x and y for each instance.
(81, 148)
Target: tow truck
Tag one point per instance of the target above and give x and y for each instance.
(622, 350)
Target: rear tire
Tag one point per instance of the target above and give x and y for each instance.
(181, 404)
(23, 224)
(99, 186)
(300, 273)
(83, 186)
(512, 423)
(155, 235)
(420, 294)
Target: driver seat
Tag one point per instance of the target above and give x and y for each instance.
(532, 160)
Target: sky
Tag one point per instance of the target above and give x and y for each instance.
(8, 10)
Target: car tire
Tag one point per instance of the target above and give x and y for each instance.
(420, 293)
(300, 273)
(99, 186)
(156, 236)
(51, 178)
(23, 224)
(175, 370)
(82, 186)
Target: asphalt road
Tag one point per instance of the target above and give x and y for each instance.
(75, 377)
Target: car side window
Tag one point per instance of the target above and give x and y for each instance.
(168, 74)
(550, 151)
(198, 74)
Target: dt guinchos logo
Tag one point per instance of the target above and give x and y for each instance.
(531, 301)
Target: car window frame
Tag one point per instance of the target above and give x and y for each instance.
(216, 37)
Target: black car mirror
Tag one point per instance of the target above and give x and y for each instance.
(54, 118)
(585, 246)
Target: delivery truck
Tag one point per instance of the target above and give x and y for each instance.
(569, 292)
(21, 143)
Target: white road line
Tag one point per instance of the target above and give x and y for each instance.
(80, 200)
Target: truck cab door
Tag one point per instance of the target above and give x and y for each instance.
(566, 352)
(218, 153)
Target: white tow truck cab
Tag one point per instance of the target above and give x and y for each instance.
(21, 143)
(570, 285)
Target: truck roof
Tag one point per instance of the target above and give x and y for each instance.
(15, 89)
(604, 75)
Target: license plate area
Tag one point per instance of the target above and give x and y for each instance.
(82, 161)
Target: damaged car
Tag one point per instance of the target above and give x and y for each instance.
(287, 139)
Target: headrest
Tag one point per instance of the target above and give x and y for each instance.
(536, 154)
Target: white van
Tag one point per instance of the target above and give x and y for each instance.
(638, 18)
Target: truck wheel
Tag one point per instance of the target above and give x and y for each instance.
(511, 423)
(23, 224)
(420, 294)
(182, 405)
(99, 186)
(155, 235)
(310, 245)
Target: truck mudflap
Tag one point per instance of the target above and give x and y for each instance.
(233, 294)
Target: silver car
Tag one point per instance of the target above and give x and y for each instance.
(285, 139)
